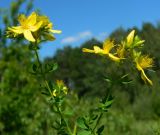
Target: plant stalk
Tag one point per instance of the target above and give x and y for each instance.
(47, 86)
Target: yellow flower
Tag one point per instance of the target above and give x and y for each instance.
(61, 86)
(47, 27)
(133, 41)
(121, 51)
(60, 89)
(27, 26)
(143, 62)
(107, 47)
(34, 28)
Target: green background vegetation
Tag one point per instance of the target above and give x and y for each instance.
(24, 110)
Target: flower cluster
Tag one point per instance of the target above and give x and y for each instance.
(59, 89)
(126, 49)
(34, 28)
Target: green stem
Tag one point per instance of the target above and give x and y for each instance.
(97, 122)
(75, 129)
(62, 117)
(43, 75)
(101, 114)
(50, 91)
(39, 62)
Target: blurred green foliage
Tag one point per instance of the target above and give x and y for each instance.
(24, 110)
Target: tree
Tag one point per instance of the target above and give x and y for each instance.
(23, 110)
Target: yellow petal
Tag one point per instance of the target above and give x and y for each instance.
(87, 50)
(44, 19)
(17, 29)
(130, 38)
(31, 20)
(97, 49)
(28, 35)
(114, 58)
(145, 78)
(55, 31)
(121, 51)
(108, 45)
(54, 93)
(138, 66)
(36, 27)
(22, 19)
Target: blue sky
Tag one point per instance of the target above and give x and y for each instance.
(83, 19)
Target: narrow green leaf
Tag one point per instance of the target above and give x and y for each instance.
(100, 130)
(54, 67)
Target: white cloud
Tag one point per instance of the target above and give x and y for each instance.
(85, 34)
(68, 40)
(102, 36)
(80, 36)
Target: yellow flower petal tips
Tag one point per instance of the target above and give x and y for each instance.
(130, 37)
(143, 62)
(33, 28)
(107, 47)
(96, 50)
